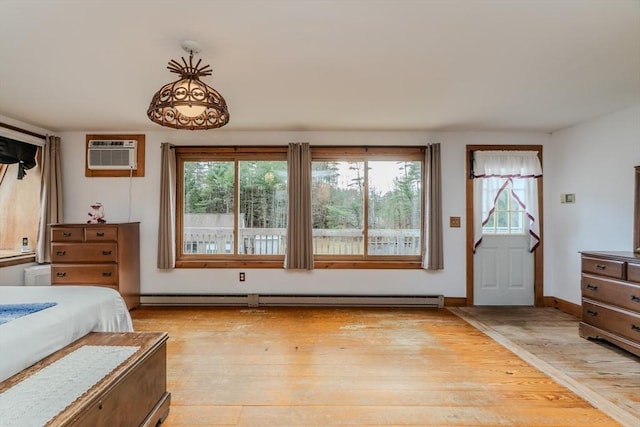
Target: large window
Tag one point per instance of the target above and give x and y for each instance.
(19, 212)
(233, 204)
(367, 206)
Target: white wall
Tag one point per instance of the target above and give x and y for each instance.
(595, 161)
(113, 193)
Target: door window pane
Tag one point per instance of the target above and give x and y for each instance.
(508, 215)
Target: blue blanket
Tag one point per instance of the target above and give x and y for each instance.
(9, 312)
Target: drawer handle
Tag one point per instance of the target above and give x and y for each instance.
(61, 274)
(592, 313)
(66, 234)
(106, 274)
(635, 328)
(592, 287)
(106, 252)
(601, 266)
(99, 234)
(60, 253)
(635, 298)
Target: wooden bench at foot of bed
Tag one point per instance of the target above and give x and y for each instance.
(133, 394)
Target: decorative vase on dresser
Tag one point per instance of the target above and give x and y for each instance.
(99, 255)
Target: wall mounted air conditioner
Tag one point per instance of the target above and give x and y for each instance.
(112, 154)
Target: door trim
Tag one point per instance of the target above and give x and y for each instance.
(538, 283)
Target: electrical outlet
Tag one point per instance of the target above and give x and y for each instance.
(454, 222)
(242, 276)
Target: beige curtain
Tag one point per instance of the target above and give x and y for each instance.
(167, 218)
(432, 257)
(50, 197)
(299, 227)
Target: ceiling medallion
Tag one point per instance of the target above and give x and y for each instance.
(188, 103)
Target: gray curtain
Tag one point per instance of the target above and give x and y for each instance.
(50, 197)
(167, 217)
(432, 257)
(299, 226)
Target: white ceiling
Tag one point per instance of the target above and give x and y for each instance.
(527, 65)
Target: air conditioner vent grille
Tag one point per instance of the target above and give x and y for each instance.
(112, 154)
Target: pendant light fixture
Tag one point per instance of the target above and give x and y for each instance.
(188, 103)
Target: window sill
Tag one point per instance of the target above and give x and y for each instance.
(318, 265)
(8, 258)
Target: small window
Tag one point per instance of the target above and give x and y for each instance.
(508, 216)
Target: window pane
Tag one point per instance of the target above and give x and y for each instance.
(337, 192)
(502, 222)
(262, 223)
(19, 209)
(394, 207)
(208, 207)
(516, 222)
(489, 227)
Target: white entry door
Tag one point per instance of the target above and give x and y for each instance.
(503, 270)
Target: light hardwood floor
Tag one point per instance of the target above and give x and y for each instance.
(603, 374)
(350, 367)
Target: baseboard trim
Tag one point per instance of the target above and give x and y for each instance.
(455, 302)
(564, 306)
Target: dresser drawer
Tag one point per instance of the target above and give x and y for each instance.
(100, 234)
(625, 295)
(603, 267)
(106, 274)
(633, 272)
(87, 252)
(67, 234)
(609, 318)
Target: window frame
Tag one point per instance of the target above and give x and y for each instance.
(224, 153)
(16, 257)
(318, 153)
(353, 154)
(512, 202)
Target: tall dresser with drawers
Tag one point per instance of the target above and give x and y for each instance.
(611, 298)
(99, 255)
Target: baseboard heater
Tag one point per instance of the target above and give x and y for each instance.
(256, 300)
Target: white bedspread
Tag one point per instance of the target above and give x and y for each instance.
(80, 310)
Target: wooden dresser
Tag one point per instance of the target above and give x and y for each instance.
(611, 298)
(98, 254)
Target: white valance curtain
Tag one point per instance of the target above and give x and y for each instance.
(492, 171)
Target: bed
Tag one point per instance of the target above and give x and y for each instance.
(79, 310)
(78, 362)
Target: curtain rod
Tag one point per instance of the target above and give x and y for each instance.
(27, 132)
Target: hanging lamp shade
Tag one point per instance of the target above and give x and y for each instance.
(188, 103)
